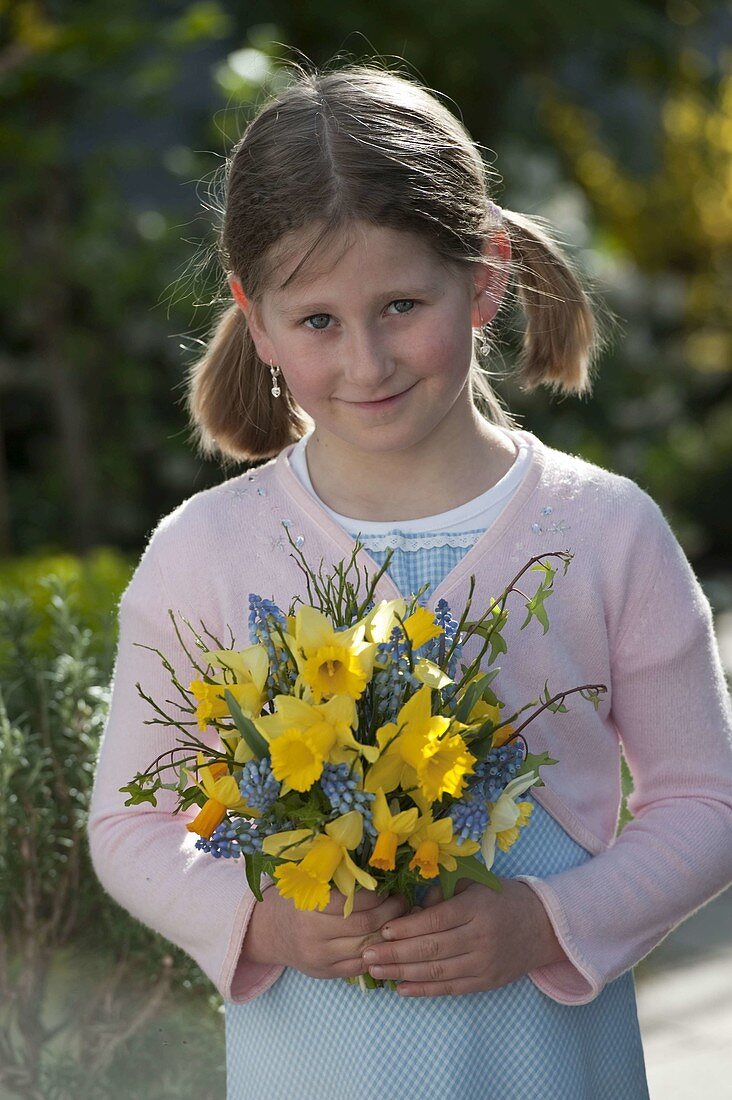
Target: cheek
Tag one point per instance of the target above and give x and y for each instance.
(444, 351)
(307, 382)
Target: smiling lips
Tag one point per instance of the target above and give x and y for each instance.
(380, 401)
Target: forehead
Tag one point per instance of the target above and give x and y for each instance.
(302, 263)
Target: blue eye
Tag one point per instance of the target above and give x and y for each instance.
(324, 328)
(317, 329)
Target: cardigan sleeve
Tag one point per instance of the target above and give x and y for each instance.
(670, 707)
(143, 855)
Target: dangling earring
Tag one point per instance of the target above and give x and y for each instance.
(275, 391)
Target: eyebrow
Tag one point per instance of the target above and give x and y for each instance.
(308, 309)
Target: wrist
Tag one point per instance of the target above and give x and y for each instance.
(548, 949)
(256, 947)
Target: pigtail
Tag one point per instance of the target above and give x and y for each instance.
(564, 333)
(229, 398)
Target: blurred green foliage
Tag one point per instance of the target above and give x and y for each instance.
(88, 995)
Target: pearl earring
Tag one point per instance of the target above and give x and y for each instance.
(274, 370)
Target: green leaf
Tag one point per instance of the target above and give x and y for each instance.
(535, 607)
(246, 728)
(139, 795)
(253, 865)
(467, 867)
(471, 696)
(532, 763)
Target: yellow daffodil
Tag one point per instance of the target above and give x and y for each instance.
(392, 828)
(250, 667)
(319, 861)
(427, 672)
(331, 662)
(303, 736)
(223, 794)
(434, 846)
(445, 763)
(507, 817)
(417, 750)
(481, 712)
(211, 702)
(420, 626)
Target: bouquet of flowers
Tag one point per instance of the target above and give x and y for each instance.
(354, 749)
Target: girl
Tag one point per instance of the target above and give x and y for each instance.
(364, 260)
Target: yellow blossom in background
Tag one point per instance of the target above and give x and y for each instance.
(331, 662)
(434, 846)
(320, 860)
(507, 817)
(392, 830)
(223, 794)
(250, 667)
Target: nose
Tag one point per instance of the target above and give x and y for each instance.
(367, 365)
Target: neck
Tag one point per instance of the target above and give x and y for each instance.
(455, 464)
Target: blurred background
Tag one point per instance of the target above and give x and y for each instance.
(613, 121)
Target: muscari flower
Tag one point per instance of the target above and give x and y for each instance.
(420, 628)
(318, 861)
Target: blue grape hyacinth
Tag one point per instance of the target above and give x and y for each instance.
(342, 791)
(258, 786)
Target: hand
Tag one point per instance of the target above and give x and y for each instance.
(479, 939)
(322, 944)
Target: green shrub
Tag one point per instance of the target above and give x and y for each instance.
(93, 1004)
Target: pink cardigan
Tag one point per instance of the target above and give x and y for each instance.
(630, 614)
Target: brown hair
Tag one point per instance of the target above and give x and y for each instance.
(364, 143)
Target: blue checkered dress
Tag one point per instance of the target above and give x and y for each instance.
(322, 1039)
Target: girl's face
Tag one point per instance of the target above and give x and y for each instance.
(375, 344)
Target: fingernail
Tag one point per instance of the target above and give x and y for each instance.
(386, 932)
(376, 971)
(369, 956)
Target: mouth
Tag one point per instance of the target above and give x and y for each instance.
(384, 402)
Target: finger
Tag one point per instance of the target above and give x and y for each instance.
(436, 918)
(418, 949)
(437, 989)
(362, 899)
(433, 895)
(365, 927)
(439, 970)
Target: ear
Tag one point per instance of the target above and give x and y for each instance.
(265, 351)
(490, 281)
(237, 291)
